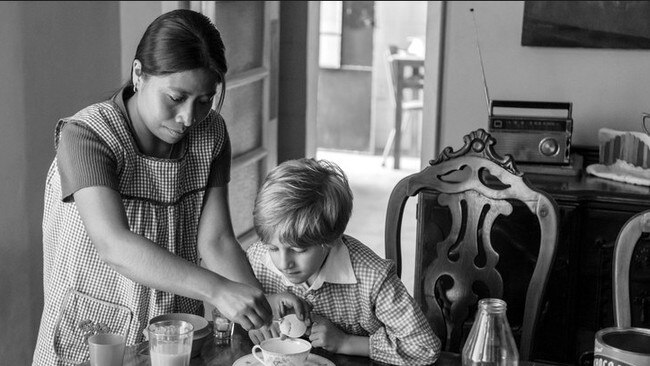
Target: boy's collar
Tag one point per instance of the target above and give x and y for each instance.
(336, 269)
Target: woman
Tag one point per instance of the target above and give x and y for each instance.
(137, 196)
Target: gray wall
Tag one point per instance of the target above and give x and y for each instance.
(55, 58)
(608, 87)
(135, 16)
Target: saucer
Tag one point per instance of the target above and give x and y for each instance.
(312, 360)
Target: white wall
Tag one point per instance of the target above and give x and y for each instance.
(16, 252)
(135, 16)
(608, 87)
(55, 58)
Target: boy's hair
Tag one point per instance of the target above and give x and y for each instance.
(305, 202)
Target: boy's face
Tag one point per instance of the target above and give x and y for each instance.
(297, 264)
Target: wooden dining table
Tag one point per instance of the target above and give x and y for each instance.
(217, 353)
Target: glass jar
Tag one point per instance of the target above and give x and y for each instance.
(490, 341)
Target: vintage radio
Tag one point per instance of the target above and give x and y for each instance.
(532, 132)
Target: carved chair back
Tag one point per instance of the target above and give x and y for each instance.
(463, 197)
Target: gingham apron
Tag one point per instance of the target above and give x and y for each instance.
(162, 199)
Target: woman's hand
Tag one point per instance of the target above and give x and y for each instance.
(286, 303)
(243, 304)
(265, 332)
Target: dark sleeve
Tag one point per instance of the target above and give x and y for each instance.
(83, 160)
(220, 167)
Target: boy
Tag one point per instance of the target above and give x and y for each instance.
(360, 306)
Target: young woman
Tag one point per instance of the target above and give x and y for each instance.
(137, 196)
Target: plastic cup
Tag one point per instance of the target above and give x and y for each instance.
(106, 349)
(170, 343)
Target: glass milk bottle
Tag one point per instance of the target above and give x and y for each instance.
(490, 341)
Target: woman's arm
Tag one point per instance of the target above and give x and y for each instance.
(143, 261)
(218, 247)
(222, 253)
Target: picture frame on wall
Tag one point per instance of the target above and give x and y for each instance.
(587, 24)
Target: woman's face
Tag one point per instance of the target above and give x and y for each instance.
(297, 264)
(167, 106)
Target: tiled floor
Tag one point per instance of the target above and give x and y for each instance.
(371, 186)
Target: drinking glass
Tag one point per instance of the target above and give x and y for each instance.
(106, 349)
(170, 343)
(222, 326)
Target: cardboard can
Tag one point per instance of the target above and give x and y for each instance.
(622, 347)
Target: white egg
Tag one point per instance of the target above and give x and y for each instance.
(292, 327)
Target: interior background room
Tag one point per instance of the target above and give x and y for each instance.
(58, 57)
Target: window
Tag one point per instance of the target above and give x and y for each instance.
(346, 34)
(331, 29)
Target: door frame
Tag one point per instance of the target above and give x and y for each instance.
(433, 81)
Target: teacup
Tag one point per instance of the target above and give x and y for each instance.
(276, 351)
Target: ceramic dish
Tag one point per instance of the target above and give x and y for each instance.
(312, 360)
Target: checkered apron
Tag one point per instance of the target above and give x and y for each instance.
(162, 199)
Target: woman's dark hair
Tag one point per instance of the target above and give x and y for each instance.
(182, 40)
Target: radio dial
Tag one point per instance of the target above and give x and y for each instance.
(548, 146)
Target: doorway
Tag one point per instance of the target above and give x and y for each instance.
(355, 110)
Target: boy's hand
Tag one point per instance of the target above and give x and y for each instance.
(286, 303)
(326, 335)
(264, 332)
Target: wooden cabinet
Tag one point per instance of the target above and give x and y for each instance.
(556, 328)
(579, 294)
(250, 30)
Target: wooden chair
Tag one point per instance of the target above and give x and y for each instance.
(626, 242)
(462, 239)
(411, 109)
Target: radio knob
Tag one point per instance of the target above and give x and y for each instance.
(548, 146)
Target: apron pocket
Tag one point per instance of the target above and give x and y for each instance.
(82, 316)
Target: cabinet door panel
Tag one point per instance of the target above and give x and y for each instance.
(556, 328)
(249, 31)
(243, 112)
(594, 294)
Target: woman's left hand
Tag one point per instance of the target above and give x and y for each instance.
(285, 303)
(265, 332)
